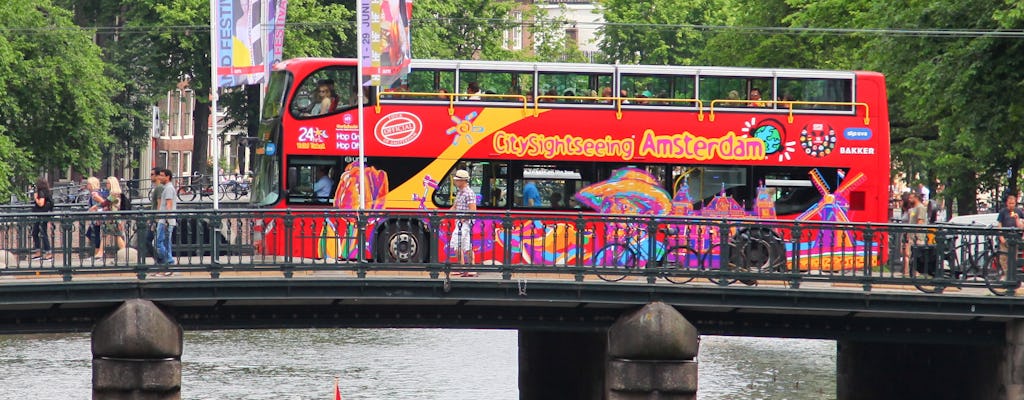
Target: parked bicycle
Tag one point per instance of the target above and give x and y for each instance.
(198, 185)
(632, 250)
(974, 257)
(234, 189)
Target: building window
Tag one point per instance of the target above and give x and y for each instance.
(573, 35)
(174, 162)
(514, 36)
(186, 158)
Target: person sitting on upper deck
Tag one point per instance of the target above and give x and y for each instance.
(473, 90)
(755, 99)
(328, 98)
(606, 92)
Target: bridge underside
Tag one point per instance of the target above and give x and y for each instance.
(498, 304)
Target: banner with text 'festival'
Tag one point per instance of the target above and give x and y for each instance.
(248, 35)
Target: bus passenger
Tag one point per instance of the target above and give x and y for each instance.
(606, 92)
(556, 200)
(473, 90)
(531, 196)
(755, 99)
(328, 98)
(443, 94)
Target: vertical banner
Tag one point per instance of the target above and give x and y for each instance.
(248, 37)
(385, 40)
(275, 34)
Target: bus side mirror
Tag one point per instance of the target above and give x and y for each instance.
(293, 178)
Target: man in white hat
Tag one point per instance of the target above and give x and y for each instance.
(465, 200)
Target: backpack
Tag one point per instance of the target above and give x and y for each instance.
(126, 203)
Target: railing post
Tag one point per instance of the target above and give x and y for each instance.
(361, 225)
(433, 229)
(506, 265)
(652, 251)
(217, 222)
(1013, 265)
(581, 225)
(289, 242)
(724, 252)
(795, 234)
(869, 256)
(67, 249)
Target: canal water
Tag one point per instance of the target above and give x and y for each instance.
(395, 364)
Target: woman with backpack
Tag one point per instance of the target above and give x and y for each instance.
(114, 203)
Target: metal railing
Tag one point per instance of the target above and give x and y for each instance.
(645, 249)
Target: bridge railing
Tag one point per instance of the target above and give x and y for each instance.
(507, 245)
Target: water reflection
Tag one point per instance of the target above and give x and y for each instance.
(395, 364)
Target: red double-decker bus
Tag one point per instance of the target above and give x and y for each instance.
(549, 137)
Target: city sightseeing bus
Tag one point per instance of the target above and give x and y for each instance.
(586, 138)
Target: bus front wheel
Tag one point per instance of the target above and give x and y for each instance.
(402, 243)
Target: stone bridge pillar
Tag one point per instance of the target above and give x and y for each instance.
(898, 371)
(651, 355)
(137, 354)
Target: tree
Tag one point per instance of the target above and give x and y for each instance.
(55, 108)
(662, 32)
(463, 30)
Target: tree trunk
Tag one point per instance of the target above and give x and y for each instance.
(253, 127)
(201, 138)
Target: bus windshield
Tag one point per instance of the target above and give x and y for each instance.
(267, 174)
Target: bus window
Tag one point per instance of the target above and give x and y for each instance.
(431, 81)
(551, 85)
(551, 186)
(444, 195)
(723, 88)
(792, 189)
(684, 87)
(817, 90)
(708, 182)
(654, 87)
(327, 91)
(488, 82)
(306, 179)
(493, 184)
(737, 90)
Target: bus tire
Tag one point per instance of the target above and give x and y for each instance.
(402, 242)
(758, 250)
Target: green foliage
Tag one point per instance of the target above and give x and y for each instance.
(462, 30)
(54, 95)
(656, 31)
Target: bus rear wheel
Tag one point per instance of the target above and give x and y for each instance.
(402, 243)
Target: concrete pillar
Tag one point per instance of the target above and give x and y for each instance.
(652, 355)
(561, 365)
(137, 354)
(899, 371)
(1011, 369)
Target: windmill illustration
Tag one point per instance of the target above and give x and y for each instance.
(832, 206)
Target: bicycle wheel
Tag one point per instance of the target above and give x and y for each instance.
(614, 261)
(186, 193)
(236, 191)
(681, 258)
(994, 273)
(712, 256)
(223, 191)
